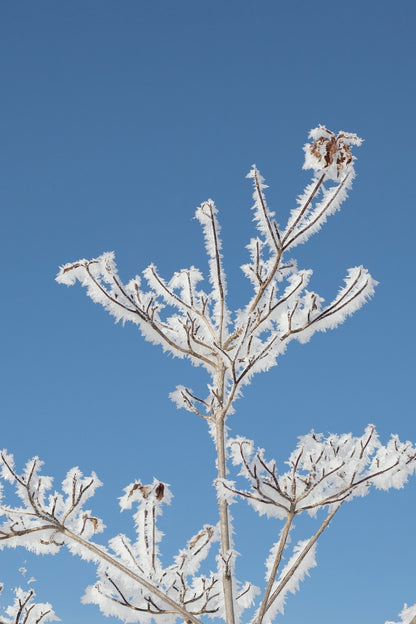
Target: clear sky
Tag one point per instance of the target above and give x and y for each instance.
(118, 118)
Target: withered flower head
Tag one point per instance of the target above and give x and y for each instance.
(329, 150)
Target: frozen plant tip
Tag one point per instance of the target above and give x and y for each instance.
(193, 320)
(330, 152)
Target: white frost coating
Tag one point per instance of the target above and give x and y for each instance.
(180, 397)
(330, 153)
(293, 583)
(273, 552)
(263, 217)
(322, 471)
(33, 525)
(407, 615)
(308, 218)
(25, 610)
(188, 322)
(330, 157)
(178, 581)
(206, 214)
(185, 398)
(47, 520)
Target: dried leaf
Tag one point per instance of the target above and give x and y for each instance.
(134, 488)
(333, 149)
(160, 489)
(144, 490)
(196, 539)
(94, 522)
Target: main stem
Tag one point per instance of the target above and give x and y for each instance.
(223, 506)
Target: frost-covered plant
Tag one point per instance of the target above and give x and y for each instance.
(189, 322)
(408, 615)
(25, 610)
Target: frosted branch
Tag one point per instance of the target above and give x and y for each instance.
(234, 347)
(185, 398)
(206, 215)
(25, 610)
(132, 582)
(407, 616)
(323, 471)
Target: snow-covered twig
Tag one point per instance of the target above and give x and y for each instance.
(408, 615)
(25, 610)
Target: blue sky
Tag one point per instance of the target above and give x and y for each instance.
(117, 120)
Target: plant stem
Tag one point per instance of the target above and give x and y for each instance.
(224, 526)
(222, 503)
(273, 572)
(305, 551)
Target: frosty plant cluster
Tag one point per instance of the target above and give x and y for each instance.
(232, 346)
(25, 610)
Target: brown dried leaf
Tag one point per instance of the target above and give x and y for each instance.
(333, 149)
(94, 522)
(160, 489)
(196, 539)
(134, 488)
(144, 490)
(207, 531)
(73, 266)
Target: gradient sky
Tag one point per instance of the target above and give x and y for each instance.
(118, 118)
